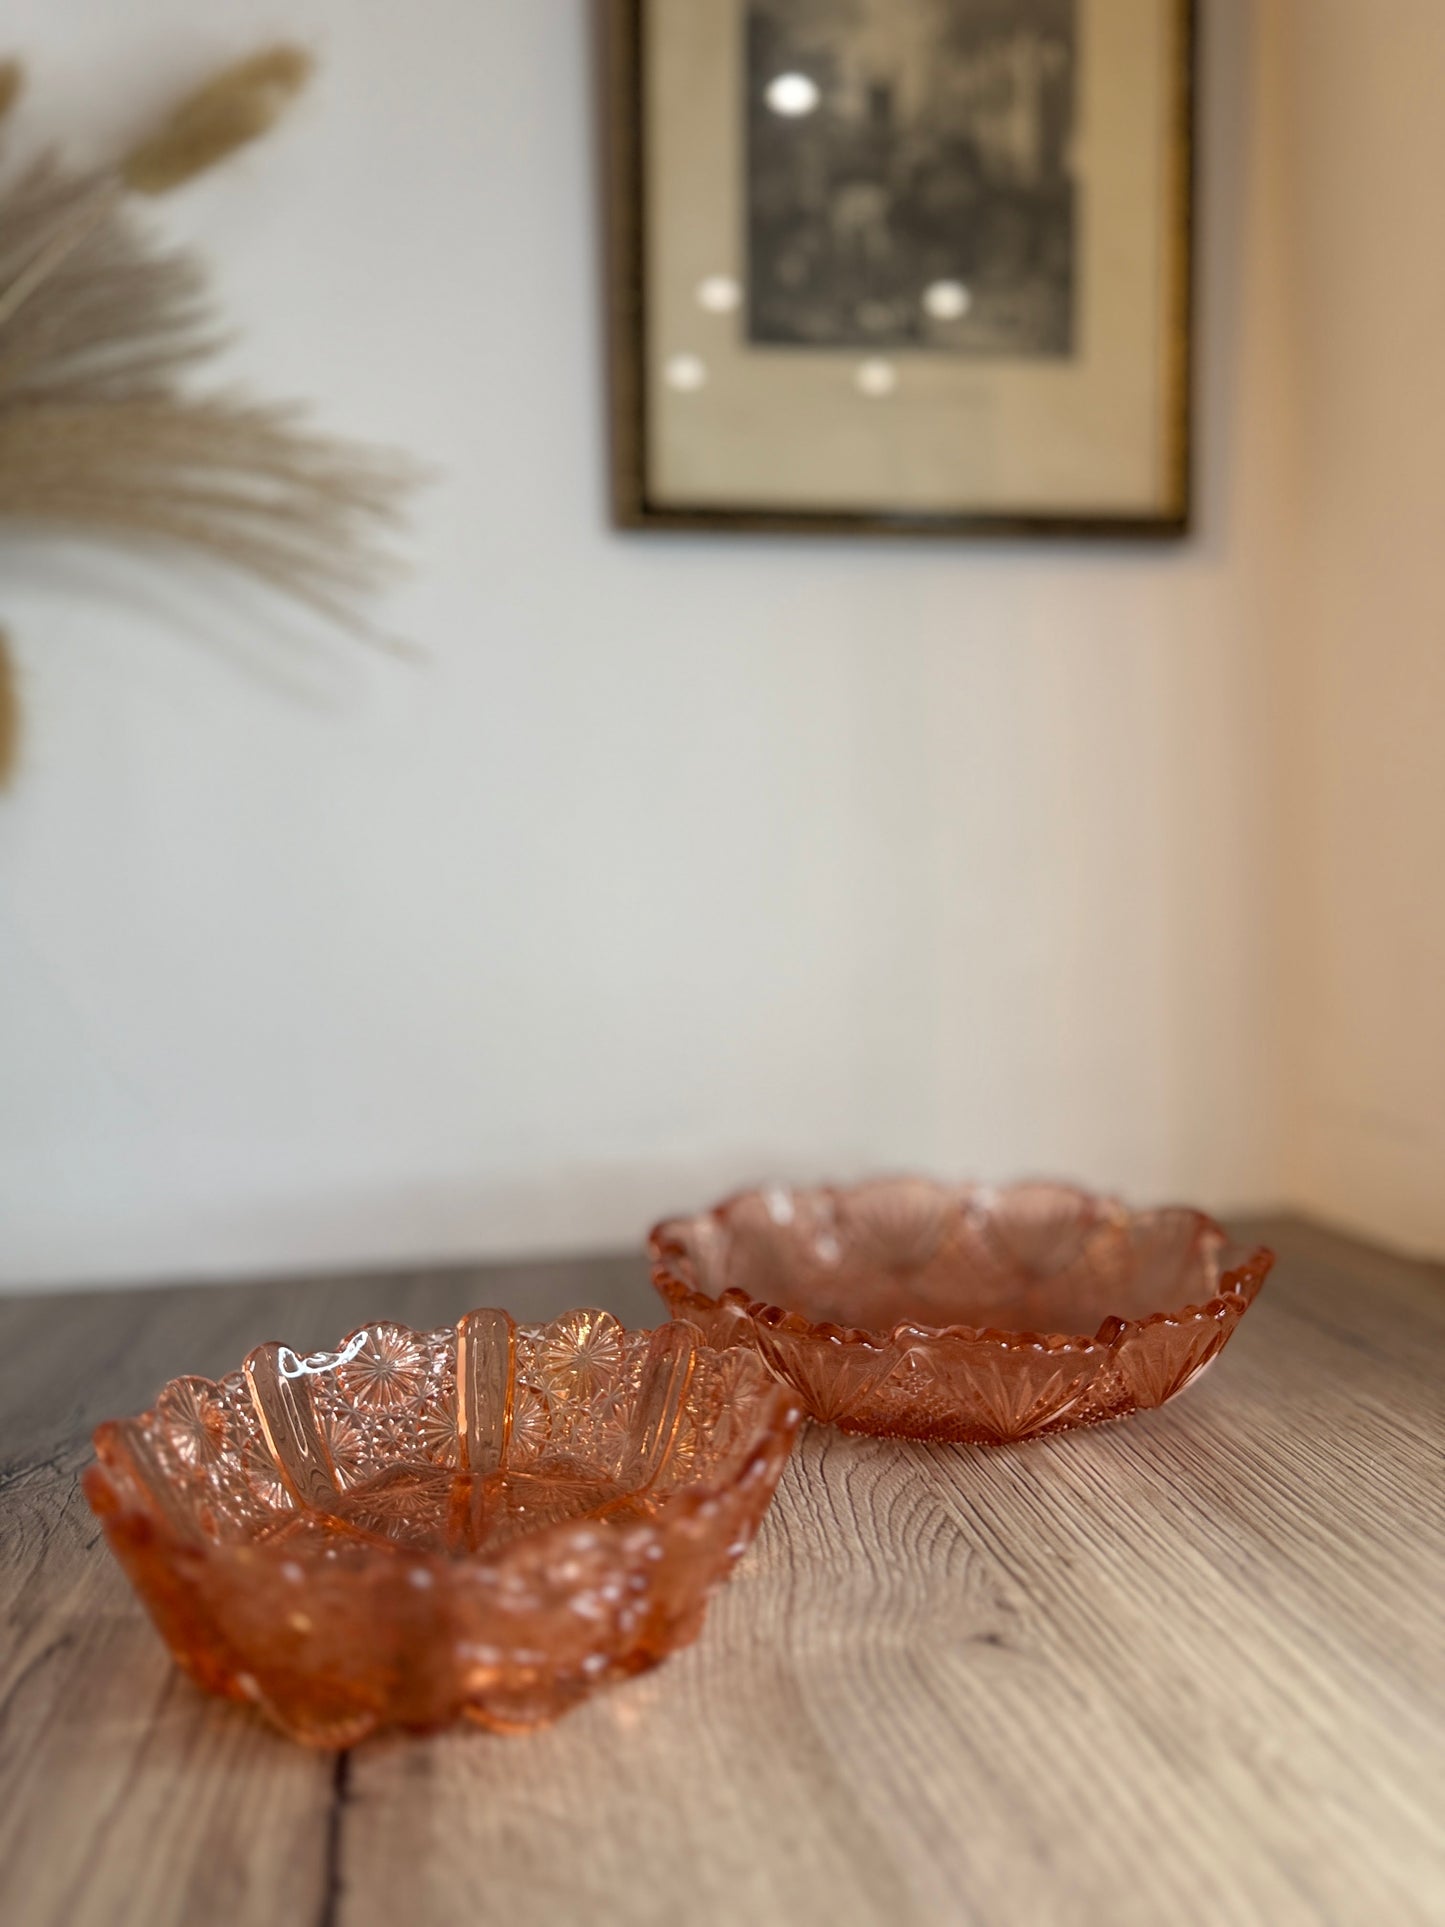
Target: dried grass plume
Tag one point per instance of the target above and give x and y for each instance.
(100, 331)
(240, 104)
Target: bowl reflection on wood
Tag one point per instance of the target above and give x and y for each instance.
(489, 1520)
(961, 1312)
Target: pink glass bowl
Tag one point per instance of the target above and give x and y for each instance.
(489, 1520)
(961, 1312)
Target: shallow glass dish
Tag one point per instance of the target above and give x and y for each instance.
(489, 1520)
(937, 1311)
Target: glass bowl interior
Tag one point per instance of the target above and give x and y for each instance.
(1030, 1258)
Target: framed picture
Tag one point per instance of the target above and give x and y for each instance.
(901, 266)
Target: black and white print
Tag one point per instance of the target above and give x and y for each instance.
(909, 175)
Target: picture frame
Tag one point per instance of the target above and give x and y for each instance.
(790, 351)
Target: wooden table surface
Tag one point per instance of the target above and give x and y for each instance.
(1187, 1668)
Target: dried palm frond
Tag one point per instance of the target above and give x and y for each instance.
(99, 329)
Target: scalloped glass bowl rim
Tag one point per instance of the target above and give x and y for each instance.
(105, 1492)
(1247, 1267)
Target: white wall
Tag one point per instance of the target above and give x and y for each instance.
(679, 862)
(1364, 140)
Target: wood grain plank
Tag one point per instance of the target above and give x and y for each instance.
(1186, 1668)
(124, 1795)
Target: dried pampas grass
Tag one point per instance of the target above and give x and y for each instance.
(240, 104)
(97, 432)
(99, 330)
